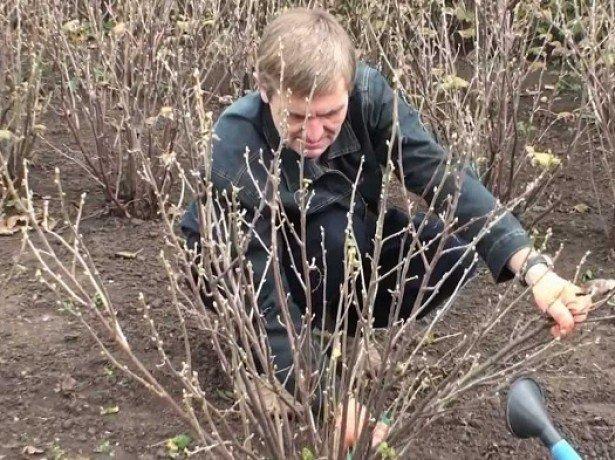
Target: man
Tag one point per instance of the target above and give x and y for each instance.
(347, 119)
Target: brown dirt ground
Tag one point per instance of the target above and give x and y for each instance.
(53, 379)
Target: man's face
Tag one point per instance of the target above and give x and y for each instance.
(312, 126)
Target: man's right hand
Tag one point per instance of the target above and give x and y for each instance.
(356, 418)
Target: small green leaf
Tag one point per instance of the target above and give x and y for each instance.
(386, 452)
(526, 128)
(307, 454)
(536, 51)
(98, 301)
(568, 82)
(537, 66)
(178, 444)
(67, 306)
(103, 448)
(56, 452)
(225, 394)
(109, 372)
(588, 275)
(430, 338)
(72, 84)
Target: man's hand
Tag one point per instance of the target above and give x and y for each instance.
(355, 420)
(562, 300)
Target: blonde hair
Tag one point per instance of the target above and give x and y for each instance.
(315, 49)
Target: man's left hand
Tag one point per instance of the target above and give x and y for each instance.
(562, 300)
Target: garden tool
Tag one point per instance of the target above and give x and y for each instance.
(527, 417)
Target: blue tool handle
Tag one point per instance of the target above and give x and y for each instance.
(561, 450)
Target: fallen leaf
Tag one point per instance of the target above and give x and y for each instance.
(10, 225)
(72, 26)
(428, 32)
(16, 203)
(119, 29)
(31, 450)
(467, 33)
(187, 26)
(565, 116)
(454, 83)
(437, 71)
(173, 211)
(537, 65)
(581, 208)
(545, 159)
(166, 112)
(337, 352)
(168, 157)
(5, 135)
(109, 410)
(39, 129)
(128, 255)
(226, 100)
(67, 385)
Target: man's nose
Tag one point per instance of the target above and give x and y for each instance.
(314, 130)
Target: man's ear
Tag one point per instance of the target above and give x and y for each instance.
(263, 95)
(261, 90)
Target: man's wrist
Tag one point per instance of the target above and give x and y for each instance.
(534, 267)
(536, 273)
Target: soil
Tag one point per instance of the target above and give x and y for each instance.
(54, 380)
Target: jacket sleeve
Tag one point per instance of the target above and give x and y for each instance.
(423, 164)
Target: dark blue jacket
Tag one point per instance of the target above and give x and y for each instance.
(247, 136)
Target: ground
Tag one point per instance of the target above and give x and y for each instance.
(54, 381)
